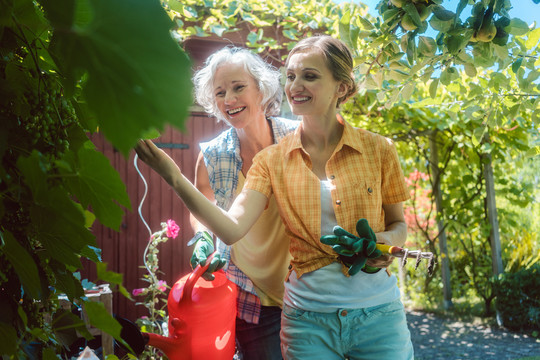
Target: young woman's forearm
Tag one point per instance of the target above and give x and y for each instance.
(395, 234)
(210, 215)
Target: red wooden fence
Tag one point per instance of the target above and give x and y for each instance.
(123, 250)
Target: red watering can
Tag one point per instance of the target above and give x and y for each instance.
(202, 318)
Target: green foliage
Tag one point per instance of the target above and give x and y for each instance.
(518, 297)
(67, 69)
(128, 39)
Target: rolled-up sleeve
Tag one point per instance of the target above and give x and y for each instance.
(258, 177)
(394, 189)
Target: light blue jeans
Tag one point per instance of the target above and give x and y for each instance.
(375, 333)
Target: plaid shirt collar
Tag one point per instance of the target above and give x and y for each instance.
(348, 138)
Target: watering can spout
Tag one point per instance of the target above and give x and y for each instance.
(174, 346)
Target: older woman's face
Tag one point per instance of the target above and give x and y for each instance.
(237, 95)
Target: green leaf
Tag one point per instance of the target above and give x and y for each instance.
(426, 46)
(516, 65)
(410, 9)
(440, 25)
(455, 43)
(442, 14)
(8, 334)
(57, 221)
(366, 24)
(252, 37)
(100, 318)
(66, 325)
(111, 278)
(532, 38)
(67, 283)
(407, 91)
(93, 253)
(501, 51)
(290, 34)
(23, 263)
(517, 27)
(99, 185)
(136, 72)
(433, 88)
(462, 4)
(344, 28)
(50, 354)
(470, 69)
(411, 49)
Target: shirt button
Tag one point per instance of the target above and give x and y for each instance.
(338, 202)
(369, 190)
(344, 313)
(332, 177)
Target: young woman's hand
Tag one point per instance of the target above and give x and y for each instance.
(157, 159)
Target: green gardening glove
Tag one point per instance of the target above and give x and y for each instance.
(204, 247)
(353, 251)
(364, 231)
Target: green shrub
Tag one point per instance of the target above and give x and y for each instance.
(518, 298)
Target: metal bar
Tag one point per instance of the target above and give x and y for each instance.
(172, 146)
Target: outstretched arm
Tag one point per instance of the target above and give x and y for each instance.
(229, 226)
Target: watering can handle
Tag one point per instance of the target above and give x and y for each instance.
(193, 277)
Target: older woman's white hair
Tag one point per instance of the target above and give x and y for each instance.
(266, 76)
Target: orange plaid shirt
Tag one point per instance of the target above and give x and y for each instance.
(364, 170)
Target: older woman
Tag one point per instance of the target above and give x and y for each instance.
(238, 87)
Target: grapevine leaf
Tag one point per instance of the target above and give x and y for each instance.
(124, 47)
(111, 278)
(100, 318)
(23, 264)
(99, 185)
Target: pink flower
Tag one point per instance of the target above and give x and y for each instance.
(162, 285)
(172, 229)
(137, 292)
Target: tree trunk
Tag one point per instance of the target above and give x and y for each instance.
(494, 238)
(445, 265)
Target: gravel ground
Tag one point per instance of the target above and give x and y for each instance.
(436, 337)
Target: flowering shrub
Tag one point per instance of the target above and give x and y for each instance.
(154, 294)
(419, 211)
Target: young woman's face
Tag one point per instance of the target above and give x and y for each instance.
(310, 87)
(237, 95)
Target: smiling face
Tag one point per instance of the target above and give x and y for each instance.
(311, 87)
(237, 96)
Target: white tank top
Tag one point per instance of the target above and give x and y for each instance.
(327, 289)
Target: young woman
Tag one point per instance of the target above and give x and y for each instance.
(326, 173)
(238, 87)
